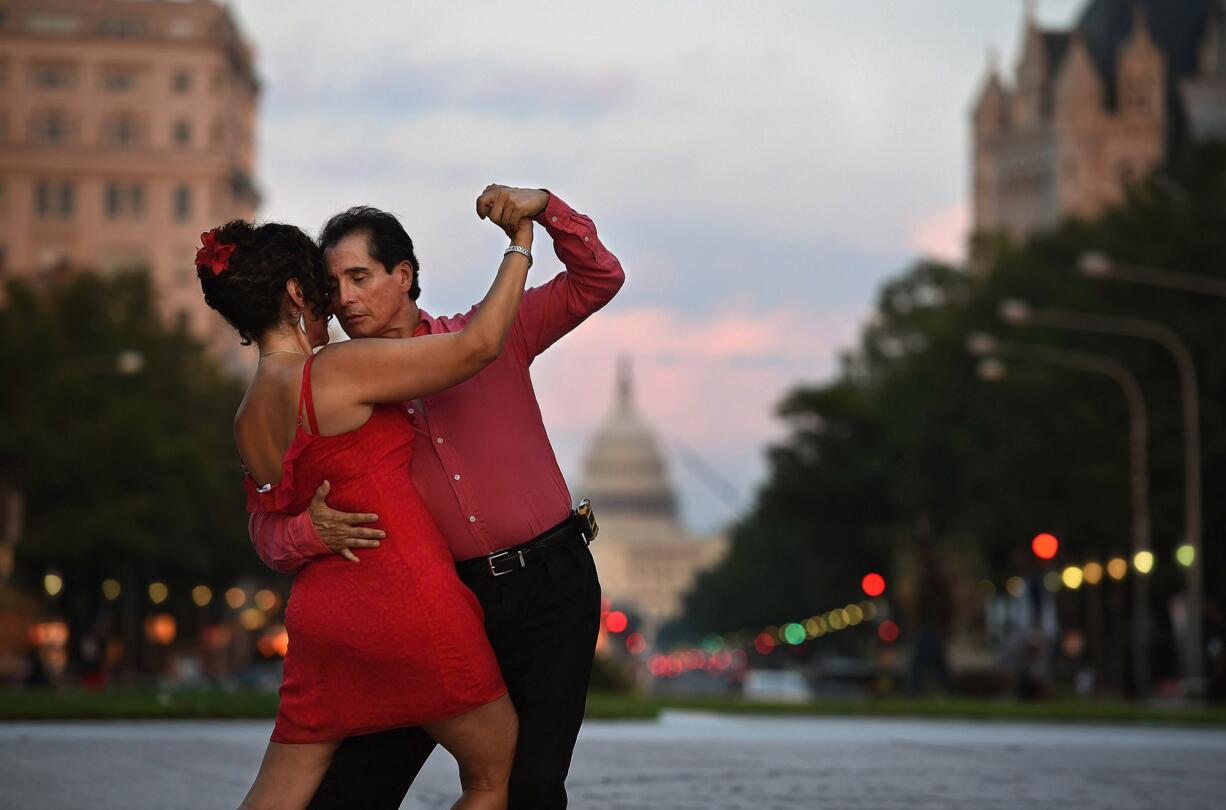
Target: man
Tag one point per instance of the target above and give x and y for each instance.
(487, 472)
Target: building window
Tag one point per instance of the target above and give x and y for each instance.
(123, 27)
(122, 131)
(183, 133)
(124, 200)
(47, 23)
(118, 80)
(53, 76)
(181, 82)
(181, 28)
(183, 203)
(50, 127)
(54, 200)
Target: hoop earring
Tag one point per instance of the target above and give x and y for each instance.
(302, 327)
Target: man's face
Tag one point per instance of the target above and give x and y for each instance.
(368, 300)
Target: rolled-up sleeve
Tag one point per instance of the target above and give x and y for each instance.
(592, 277)
(285, 542)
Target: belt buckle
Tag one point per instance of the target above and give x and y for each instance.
(508, 553)
(590, 529)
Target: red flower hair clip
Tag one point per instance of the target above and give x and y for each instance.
(213, 254)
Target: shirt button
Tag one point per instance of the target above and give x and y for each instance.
(472, 518)
(553, 219)
(585, 239)
(410, 410)
(439, 440)
(457, 476)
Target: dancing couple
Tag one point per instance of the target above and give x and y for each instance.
(444, 593)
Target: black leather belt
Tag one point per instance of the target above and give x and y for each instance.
(580, 526)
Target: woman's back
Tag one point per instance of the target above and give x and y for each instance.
(396, 629)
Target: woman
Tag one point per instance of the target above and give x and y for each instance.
(397, 640)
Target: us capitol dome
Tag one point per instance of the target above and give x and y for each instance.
(646, 558)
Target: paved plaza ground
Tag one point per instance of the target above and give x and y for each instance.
(683, 761)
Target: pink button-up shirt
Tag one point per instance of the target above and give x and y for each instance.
(483, 462)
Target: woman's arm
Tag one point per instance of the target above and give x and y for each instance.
(396, 370)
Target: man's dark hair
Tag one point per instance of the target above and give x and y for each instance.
(388, 243)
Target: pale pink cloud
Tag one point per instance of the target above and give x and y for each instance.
(712, 384)
(942, 234)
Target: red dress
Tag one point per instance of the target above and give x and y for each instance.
(393, 640)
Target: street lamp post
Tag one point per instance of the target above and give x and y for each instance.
(1099, 265)
(989, 349)
(1018, 312)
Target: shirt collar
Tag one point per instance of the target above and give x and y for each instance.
(425, 324)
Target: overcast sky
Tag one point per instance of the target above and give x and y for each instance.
(759, 168)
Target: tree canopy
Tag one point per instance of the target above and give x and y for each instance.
(908, 441)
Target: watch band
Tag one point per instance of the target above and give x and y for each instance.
(522, 251)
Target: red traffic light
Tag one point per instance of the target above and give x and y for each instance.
(873, 584)
(1045, 546)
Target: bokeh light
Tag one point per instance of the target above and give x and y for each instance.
(636, 643)
(1045, 546)
(265, 600)
(202, 595)
(1016, 586)
(252, 618)
(160, 628)
(1143, 561)
(158, 592)
(1052, 581)
(873, 584)
(1185, 555)
(616, 621)
(794, 634)
(1093, 573)
(111, 589)
(53, 584)
(1117, 568)
(236, 598)
(1072, 577)
(887, 631)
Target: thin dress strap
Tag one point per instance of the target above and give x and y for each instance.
(304, 397)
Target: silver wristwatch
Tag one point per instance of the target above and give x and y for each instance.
(521, 250)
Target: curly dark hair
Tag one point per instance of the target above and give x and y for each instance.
(250, 292)
(388, 242)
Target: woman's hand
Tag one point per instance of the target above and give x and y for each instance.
(512, 209)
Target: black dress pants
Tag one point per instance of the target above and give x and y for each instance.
(542, 622)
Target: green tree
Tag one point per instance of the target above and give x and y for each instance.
(125, 475)
(907, 440)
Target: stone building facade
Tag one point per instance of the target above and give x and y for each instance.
(126, 129)
(1092, 109)
(646, 558)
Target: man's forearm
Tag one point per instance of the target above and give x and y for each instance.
(593, 273)
(283, 542)
(593, 276)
